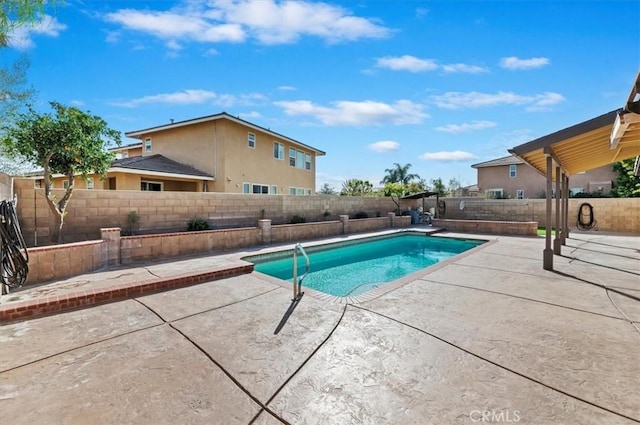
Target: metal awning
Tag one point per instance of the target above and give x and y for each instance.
(585, 146)
(420, 195)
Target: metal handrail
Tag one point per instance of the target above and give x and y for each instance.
(297, 284)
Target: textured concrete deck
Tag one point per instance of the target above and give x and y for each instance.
(489, 337)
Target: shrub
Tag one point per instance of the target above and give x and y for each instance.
(133, 218)
(197, 223)
(298, 219)
(361, 214)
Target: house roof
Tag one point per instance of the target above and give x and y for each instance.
(158, 165)
(125, 147)
(223, 115)
(609, 138)
(506, 160)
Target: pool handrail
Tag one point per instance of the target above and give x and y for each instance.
(297, 283)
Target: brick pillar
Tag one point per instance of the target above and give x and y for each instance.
(111, 252)
(265, 229)
(392, 219)
(344, 219)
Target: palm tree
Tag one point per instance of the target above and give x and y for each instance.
(399, 174)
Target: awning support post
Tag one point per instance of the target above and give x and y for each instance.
(547, 254)
(558, 226)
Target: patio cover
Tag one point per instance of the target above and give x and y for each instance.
(609, 138)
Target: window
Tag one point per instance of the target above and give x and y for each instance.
(125, 154)
(273, 190)
(575, 190)
(299, 159)
(151, 186)
(89, 183)
(147, 144)
(292, 157)
(299, 191)
(307, 161)
(278, 150)
(65, 184)
(246, 188)
(495, 193)
(251, 140)
(261, 189)
(513, 171)
(520, 194)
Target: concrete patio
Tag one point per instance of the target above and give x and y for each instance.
(488, 337)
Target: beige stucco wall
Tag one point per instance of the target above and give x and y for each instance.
(533, 183)
(221, 149)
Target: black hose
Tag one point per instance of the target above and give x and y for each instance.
(581, 217)
(14, 258)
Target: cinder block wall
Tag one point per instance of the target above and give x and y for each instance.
(611, 214)
(90, 210)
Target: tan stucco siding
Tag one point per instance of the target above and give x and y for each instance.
(258, 165)
(192, 145)
(534, 184)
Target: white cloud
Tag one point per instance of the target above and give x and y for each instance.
(267, 21)
(75, 102)
(406, 63)
(447, 156)
(421, 12)
(186, 97)
(211, 52)
(21, 38)
(466, 127)
(175, 25)
(112, 37)
(458, 100)
(174, 45)
(229, 100)
(250, 115)
(358, 113)
(514, 63)
(286, 88)
(463, 68)
(192, 96)
(385, 146)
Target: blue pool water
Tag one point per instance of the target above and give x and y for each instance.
(356, 267)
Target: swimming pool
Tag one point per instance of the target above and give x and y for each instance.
(355, 267)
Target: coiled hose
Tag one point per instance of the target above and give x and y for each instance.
(14, 258)
(581, 224)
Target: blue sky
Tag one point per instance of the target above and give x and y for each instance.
(441, 85)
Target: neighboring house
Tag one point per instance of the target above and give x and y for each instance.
(511, 177)
(216, 153)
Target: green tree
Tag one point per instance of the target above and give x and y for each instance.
(356, 187)
(627, 184)
(69, 142)
(395, 191)
(14, 97)
(327, 190)
(15, 13)
(454, 187)
(418, 186)
(399, 174)
(439, 187)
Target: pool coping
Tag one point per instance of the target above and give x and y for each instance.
(387, 287)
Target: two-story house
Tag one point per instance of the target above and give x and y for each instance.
(511, 177)
(215, 153)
